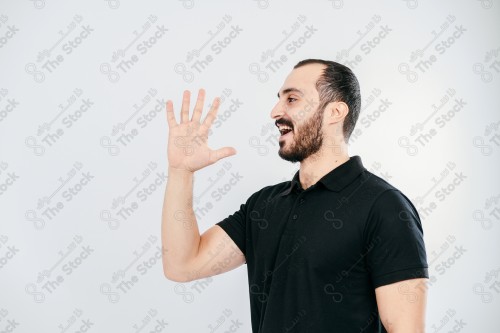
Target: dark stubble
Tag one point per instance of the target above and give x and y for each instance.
(305, 141)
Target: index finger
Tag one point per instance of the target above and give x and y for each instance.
(212, 113)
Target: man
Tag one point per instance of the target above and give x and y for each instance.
(337, 249)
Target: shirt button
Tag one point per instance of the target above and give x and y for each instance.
(294, 216)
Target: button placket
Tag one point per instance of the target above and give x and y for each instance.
(299, 201)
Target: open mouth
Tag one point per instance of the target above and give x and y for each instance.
(285, 130)
(285, 133)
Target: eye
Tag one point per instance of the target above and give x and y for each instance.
(291, 99)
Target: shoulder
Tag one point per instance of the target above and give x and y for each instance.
(385, 203)
(377, 183)
(268, 193)
(381, 191)
(369, 188)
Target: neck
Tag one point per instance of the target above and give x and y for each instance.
(317, 165)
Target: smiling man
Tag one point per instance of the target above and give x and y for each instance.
(336, 249)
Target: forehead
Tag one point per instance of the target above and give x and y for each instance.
(304, 78)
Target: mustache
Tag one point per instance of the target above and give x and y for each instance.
(284, 122)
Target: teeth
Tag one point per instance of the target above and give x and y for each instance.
(284, 128)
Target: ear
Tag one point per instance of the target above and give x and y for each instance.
(335, 112)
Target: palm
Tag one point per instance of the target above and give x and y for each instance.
(187, 141)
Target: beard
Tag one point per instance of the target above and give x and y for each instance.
(305, 140)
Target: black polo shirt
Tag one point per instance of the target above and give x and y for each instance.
(315, 256)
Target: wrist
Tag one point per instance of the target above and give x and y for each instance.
(174, 170)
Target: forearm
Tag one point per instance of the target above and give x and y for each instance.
(179, 231)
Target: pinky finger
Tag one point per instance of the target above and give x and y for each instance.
(170, 114)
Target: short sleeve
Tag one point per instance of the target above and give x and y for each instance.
(394, 244)
(235, 225)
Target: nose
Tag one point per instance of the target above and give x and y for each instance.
(278, 110)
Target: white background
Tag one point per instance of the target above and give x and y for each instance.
(78, 80)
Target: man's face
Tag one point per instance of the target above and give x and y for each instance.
(297, 109)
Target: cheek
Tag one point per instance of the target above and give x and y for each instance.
(300, 116)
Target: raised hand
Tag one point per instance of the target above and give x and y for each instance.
(187, 140)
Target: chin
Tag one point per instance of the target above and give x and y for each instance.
(289, 158)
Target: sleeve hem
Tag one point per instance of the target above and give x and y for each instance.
(400, 275)
(230, 232)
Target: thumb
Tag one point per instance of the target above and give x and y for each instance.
(221, 153)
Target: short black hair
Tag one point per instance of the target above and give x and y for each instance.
(338, 83)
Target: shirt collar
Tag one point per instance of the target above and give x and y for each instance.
(336, 179)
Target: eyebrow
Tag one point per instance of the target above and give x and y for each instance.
(287, 90)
